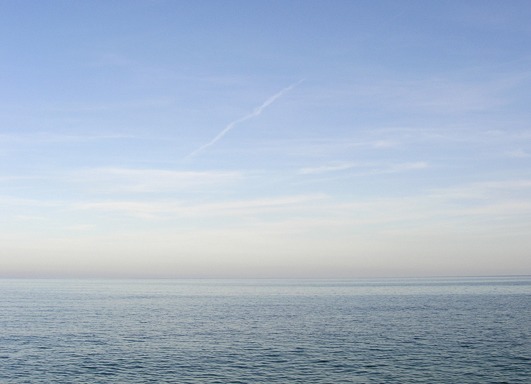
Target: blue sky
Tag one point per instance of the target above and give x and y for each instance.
(265, 139)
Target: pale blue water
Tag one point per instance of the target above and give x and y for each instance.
(265, 331)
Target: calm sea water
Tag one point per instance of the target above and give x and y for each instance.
(266, 331)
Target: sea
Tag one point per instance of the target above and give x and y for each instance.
(443, 330)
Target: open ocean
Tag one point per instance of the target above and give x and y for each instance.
(475, 330)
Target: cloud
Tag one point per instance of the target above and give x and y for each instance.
(518, 154)
(78, 107)
(483, 190)
(366, 168)
(407, 167)
(52, 138)
(326, 168)
(412, 98)
(12, 201)
(394, 168)
(384, 144)
(172, 208)
(109, 59)
(151, 180)
(256, 112)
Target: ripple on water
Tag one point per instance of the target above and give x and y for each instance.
(274, 332)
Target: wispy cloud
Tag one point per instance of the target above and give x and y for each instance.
(151, 180)
(473, 206)
(456, 93)
(90, 107)
(51, 137)
(483, 190)
(407, 167)
(256, 112)
(12, 201)
(326, 168)
(365, 168)
(323, 147)
(384, 144)
(111, 59)
(172, 208)
(519, 154)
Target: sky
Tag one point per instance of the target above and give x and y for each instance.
(265, 139)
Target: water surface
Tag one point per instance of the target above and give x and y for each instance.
(473, 330)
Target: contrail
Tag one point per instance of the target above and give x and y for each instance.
(256, 112)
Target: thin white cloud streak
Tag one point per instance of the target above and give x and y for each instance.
(518, 154)
(49, 137)
(150, 180)
(424, 96)
(408, 166)
(315, 216)
(373, 169)
(483, 190)
(165, 209)
(326, 168)
(394, 168)
(256, 112)
(319, 148)
(12, 201)
(491, 200)
(384, 144)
